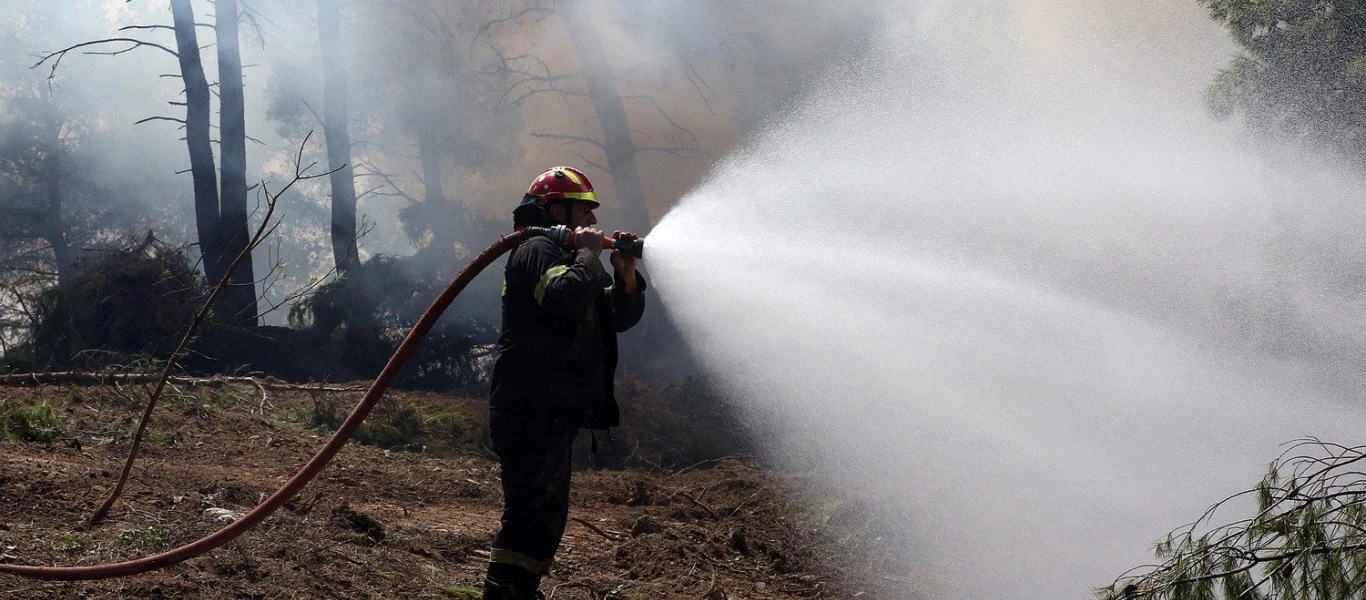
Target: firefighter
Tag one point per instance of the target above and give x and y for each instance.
(554, 373)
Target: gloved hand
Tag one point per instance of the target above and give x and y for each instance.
(587, 237)
(625, 264)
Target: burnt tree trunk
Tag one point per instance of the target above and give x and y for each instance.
(54, 222)
(344, 250)
(616, 132)
(238, 304)
(443, 230)
(55, 231)
(197, 114)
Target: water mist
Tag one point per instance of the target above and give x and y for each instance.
(1042, 316)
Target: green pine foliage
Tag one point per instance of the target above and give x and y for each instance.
(118, 306)
(25, 423)
(1302, 72)
(1306, 539)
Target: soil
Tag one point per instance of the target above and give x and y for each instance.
(380, 523)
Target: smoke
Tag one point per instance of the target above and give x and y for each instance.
(1002, 277)
(987, 259)
(693, 82)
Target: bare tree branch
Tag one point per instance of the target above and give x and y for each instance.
(530, 76)
(105, 379)
(182, 348)
(171, 119)
(651, 102)
(683, 151)
(372, 171)
(571, 139)
(134, 43)
(513, 18)
(590, 162)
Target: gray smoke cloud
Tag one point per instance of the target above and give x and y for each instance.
(696, 79)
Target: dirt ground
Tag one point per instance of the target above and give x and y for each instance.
(379, 523)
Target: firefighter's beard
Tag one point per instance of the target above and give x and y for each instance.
(1029, 326)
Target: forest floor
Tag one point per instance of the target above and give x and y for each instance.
(381, 523)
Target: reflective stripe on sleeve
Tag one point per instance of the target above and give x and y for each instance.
(550, 275)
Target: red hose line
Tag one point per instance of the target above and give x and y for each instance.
(309, 470)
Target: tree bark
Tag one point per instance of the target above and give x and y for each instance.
(54, 223)
(197, 114)
(345, 252)
(55, 229)
(443, 229)
(616, 132)
(238, 306)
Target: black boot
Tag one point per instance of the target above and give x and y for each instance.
(507, 582)
(507, 590)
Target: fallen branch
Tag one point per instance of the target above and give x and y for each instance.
(742, 504)
(265, 399)
(736, 457)
(118, 379)
(699, 504)
(595, 529)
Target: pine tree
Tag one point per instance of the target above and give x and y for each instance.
(1306, 540)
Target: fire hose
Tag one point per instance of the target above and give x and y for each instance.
(559, 234)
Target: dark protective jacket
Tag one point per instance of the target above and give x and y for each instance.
(561, 315)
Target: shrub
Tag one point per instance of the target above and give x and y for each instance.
(118, 305)
(70, 542)
(24, 423)
(399, 424)
(149, 538)
(369, 311)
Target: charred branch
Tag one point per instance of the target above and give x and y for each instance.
(541, 12)
(133, 44)
(372, 171)
(171, 119)
(106, 378)
(530, 76)
(159, 27)
(663, 114)
(682, 151)
(571, 139)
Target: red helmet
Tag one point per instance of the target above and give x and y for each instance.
(562, 183)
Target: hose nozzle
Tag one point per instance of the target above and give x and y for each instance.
(564, 236)
(634, 247)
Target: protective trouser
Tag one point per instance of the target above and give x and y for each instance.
(533, 444)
